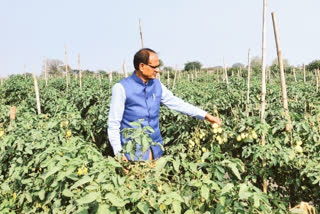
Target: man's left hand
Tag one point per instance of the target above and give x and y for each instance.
(213, 119)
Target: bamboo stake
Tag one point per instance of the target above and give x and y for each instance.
(124, 68)
(25, 72)
(36, 89)
(140, 27)
(174, 79)
(168, 78)
(317, 79)
(66, 62)
(294, 74)
(110, 77)
(12, 113)
(45, 71)
(80, 72)
(304, 73)
(188, 78)
(263, 87)
(191, 77)
(248, 84)
(225, 72)
(282, 76)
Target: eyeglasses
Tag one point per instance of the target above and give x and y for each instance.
(154, 67)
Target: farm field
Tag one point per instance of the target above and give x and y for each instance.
(61, 161)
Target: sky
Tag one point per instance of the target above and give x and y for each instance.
(106, 33)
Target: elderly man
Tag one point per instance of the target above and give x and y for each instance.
(138, 97)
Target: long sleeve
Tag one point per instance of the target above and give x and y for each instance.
(177, 104)
(115, 116)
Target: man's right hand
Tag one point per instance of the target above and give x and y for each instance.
(124, 158)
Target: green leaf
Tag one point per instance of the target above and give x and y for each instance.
(243, 192)
(104, 208)
(176, 205)
(28, 197)
(5, 187)
(135, 196)
(176, 165)
(256, 200)
(108, 187)
(137, 124)
(175, 196)
(42, 194)
(92, 196)
(51, 124)
(115, 200)
(67, 193)
(143, 207)
(51, 172)
(227, 188)
(215, 186)
(83, 180)
(145, 143)
(161, 162)
(234, 169)
(129, 146)
(205, 192)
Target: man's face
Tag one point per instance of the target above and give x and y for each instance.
(150, 70)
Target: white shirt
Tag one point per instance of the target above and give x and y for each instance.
(117, 106)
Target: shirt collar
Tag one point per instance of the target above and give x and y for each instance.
(139, 80)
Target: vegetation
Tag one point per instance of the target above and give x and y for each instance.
(195, 65)
(61, 161)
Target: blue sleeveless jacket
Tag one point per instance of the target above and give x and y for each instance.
(142, 102)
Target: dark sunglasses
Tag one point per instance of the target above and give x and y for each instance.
(154, 67)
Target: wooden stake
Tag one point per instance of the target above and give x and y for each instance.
(317, 79)
(110, 77)
(168, 78)
(225, 72)
(25, 72)
(124, 68)
(36, 89)
(66, 63)
(263, 87)
(80, 72)
(248, 84)
(294, 74)
(282, 76)
(174, 79)
(140, 27)
(45, 71)
(13, 111)
(304, 73)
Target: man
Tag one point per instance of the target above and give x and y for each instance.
(139, 97)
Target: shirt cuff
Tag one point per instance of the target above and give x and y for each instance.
(116, 149)
(202, 114)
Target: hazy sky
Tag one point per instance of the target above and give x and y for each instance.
(106, 32)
